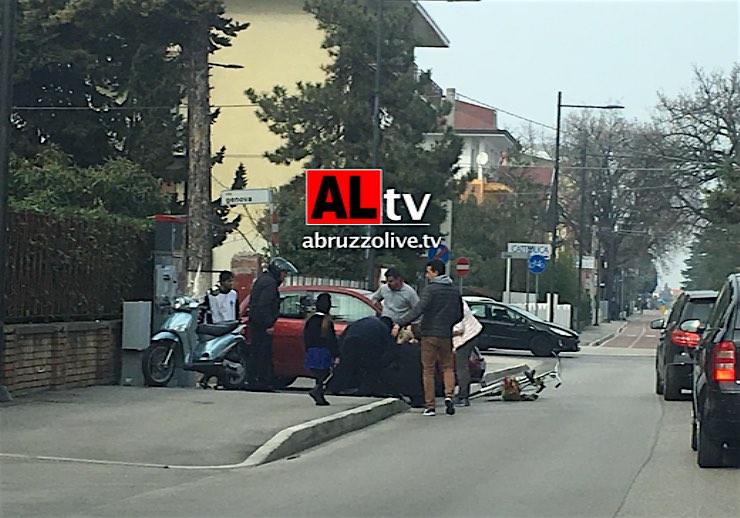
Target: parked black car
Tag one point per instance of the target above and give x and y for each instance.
(716, 393)
(674, 356)
(508, 327)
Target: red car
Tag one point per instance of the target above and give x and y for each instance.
(296, 302)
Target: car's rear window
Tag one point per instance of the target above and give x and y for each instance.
(698, 309)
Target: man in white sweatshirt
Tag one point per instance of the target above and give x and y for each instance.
(463, 335)
(224, 305)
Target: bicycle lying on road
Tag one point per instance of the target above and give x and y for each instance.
(523, 386)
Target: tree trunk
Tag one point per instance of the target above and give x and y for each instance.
(199, 235)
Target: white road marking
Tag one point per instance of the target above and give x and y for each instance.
(642, 333)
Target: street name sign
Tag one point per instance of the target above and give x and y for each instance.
(246, 197)
(530, 249)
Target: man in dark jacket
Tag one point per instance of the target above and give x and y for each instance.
(367, 350)
(441, 308)
(264, 309)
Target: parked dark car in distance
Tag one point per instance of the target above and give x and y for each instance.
(509, 327)
(716, 380)
(674, 356)
(296, 303)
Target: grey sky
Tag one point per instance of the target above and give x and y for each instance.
(517, 55)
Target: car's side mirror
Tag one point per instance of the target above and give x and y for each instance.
(657, 324)
(692, 326)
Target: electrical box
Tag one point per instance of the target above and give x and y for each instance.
(137, 324)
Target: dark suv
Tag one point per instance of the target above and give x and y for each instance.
(716, 400)
(674, 355)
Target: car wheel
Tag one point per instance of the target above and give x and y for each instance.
(541, 346)
(671, 388)
(693, 433)
(658, 381)
(709, 451)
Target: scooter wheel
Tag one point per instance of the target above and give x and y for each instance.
(236, 379)
(156, 372)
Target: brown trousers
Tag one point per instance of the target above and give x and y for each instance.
(433, 350)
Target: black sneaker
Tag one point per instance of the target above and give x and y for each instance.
(429, 411)
(450, 406)
(318, 397)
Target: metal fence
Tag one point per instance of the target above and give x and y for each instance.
(72, 268)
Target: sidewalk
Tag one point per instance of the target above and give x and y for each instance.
(200, 429)
(188, 428)
(168, 426)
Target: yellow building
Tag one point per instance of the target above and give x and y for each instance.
(282, 46)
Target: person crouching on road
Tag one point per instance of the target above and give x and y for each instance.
(441, 308)
(322, 350)
(463, 335)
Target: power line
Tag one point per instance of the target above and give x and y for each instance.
(504, 111)
(103, 109)
(594, 169)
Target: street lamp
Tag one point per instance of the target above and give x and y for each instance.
(554, 200)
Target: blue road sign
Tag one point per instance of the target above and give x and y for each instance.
(440, 252)
(537, 263)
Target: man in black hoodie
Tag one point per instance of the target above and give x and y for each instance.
(441, 308)
(264, 309)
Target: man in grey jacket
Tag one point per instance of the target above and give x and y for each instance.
(397, 296)
(441, 307)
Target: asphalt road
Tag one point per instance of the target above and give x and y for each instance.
(602, 445)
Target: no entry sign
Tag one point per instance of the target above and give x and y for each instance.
(463, 266)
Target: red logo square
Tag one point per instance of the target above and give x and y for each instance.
(344, 196)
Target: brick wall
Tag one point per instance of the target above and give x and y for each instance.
(61, 355)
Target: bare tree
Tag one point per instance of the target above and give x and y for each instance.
(700, 133)
(616, 188)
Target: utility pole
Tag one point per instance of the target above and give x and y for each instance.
(7, 36)
(199, 231)
(376, 133)
(581, 238)
(555, 212)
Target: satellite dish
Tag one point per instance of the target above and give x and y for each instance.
(482, 158)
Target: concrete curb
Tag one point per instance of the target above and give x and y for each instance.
(286, 442)
(307, 435)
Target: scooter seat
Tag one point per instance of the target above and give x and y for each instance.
(219, 329)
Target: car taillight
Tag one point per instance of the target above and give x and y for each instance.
(724, 361)
(686, 338)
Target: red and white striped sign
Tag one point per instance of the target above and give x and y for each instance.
(463, 266)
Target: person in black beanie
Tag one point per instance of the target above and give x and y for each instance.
(322, 349)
